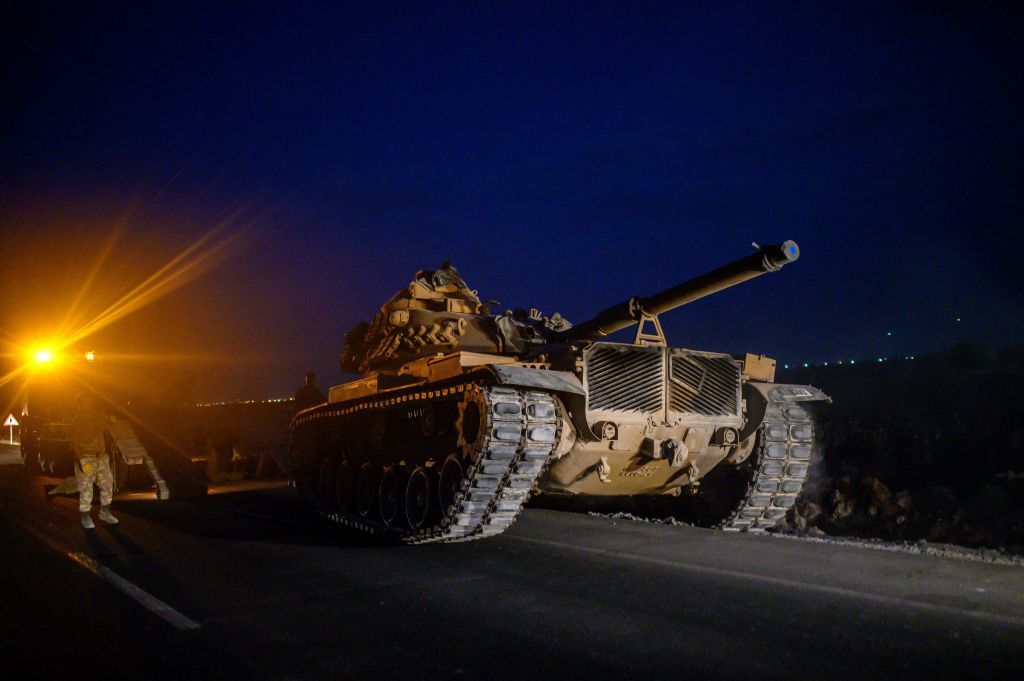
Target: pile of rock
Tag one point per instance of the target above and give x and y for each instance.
(992, 515)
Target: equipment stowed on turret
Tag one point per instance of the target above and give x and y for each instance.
(461, 415)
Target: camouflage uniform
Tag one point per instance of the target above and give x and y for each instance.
(94, 470)
(94, 467)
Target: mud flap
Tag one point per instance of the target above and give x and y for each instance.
(757, 397)
(787, 392)
(542, 379)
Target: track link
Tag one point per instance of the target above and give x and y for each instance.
(509, 471)
(780, 464)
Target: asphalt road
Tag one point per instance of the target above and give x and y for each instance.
(249, 585)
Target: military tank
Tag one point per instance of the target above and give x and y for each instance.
(460, 415)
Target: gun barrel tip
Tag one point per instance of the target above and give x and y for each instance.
(790, 249)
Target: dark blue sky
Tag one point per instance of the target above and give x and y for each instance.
(563, 155)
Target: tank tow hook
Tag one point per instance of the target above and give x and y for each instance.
(676, 452)
(694, 474)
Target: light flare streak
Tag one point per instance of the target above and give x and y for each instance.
(197, 259)
(53, 354)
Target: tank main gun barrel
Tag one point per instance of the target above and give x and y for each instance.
(625, 314)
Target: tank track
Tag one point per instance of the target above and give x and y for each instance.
(779, 465)
(518, 431)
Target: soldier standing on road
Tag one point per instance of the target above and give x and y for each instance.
(308, 395)
(92, 464)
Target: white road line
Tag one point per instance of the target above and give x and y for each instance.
(781, 581)
(141, 596)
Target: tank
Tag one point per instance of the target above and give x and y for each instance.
(460, 415)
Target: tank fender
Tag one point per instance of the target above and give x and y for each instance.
(564, 383)
(758, 395)
(543, 379)
(787, 392)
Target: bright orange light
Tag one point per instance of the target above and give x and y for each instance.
(82, 320)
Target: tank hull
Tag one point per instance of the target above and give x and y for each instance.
(662, 418)
(455, 458)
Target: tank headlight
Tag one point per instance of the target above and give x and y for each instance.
(44, 355)
(90, 356)
(609, 431)
(726, 436)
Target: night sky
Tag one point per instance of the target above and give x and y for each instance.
(564, 156)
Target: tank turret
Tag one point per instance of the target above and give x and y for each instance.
(437, 313)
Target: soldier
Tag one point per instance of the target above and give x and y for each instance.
(308, 395)
(92, 464)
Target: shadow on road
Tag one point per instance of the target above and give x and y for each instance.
(268, 516)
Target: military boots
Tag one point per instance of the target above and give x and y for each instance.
(106, 516)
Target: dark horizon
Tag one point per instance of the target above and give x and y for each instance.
(564, 157)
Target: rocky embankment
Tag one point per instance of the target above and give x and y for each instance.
(990, 516)
(930, 449)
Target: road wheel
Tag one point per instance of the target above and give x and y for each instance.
(450, 482)
(417, 499)
(392, 496)
(366, 489)
(343, 486)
